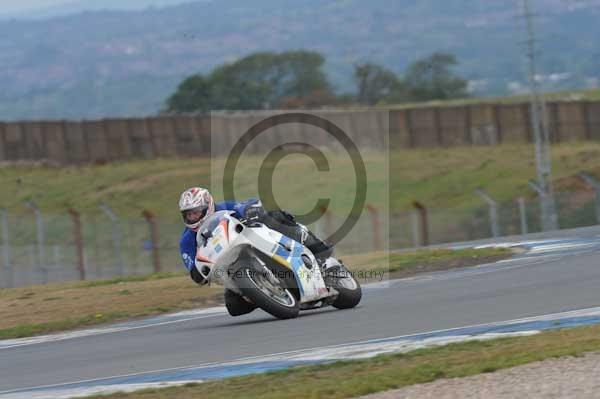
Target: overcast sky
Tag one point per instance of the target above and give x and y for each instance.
(10, 6)
(20, 7)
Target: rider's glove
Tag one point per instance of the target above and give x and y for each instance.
(253, 214)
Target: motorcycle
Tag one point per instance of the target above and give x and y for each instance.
(277, 274)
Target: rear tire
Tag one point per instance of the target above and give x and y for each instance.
(350, 292)
(265, 290)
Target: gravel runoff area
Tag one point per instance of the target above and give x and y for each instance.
(570, 377)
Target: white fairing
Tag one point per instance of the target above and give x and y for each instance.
(222, 237)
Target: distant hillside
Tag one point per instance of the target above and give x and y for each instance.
(101, 63)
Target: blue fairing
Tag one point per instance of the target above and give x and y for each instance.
(187, 244)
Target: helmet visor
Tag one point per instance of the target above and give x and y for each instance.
(191, 216)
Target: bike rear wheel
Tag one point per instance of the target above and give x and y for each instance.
(350, 292)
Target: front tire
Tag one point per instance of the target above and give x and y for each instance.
(266, 291)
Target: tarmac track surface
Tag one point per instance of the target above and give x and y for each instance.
(564, 277)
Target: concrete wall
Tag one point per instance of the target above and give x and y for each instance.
(100, 141)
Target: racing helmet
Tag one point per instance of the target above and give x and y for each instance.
(195, 205)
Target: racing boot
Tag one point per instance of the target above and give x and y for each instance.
(236, 305)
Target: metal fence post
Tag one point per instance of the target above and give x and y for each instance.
(547, 223)
(41, 238)
(523, 215)
(149, 216)
(78, 238)
(493, 205)
(420, 225)
(375, 226)
(8, 271)
(595, 184)
(116, 236)
(57, 256)
(325, 213)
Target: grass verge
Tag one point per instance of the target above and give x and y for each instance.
(50, 308)
(356, 378)
(441, 178)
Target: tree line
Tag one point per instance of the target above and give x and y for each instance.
(295, 79)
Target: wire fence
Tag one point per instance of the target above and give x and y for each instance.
(101, 249)
(515, 217)
(41, 248)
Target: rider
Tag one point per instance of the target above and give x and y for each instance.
(196, 204)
